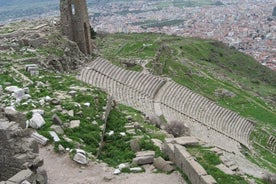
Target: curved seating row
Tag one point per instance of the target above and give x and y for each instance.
(206, 119)
(207, 112)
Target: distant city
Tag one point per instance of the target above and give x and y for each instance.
(246, 25)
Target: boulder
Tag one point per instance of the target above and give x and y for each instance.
(13, 115)
(41, 176)
(160, 164)
(80, 158)
(1, 90)
(37, 121)
(144, 157)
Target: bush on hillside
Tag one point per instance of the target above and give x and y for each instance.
(177, 129)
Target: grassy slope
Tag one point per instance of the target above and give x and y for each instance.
(205, 66)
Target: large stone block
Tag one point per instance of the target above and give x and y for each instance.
(144, 157)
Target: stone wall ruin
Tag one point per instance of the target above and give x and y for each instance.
(19, 158)
(75, 23)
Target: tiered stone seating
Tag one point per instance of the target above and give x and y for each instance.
(175, 102)
(208, 113)
(271, 143)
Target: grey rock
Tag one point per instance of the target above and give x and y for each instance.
(61, 149)
(71, 113)
(116, 171)
(42, 177)
(13, 115)
(136, 169)
(57, 129)
(134, 144)
(80, 158)
(55, 101)
(160, 164)
(72, 93)
(11, 89)
(37, 121)
(56, 120)
(39, 111)
(157, 143)
(144, 157)
(39, 138)
(74, 123)
(1, 90)
(55, 136)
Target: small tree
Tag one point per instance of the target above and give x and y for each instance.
(177, 129)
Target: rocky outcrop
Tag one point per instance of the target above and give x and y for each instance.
(19, 160)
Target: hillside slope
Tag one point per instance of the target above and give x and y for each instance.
(222, 74)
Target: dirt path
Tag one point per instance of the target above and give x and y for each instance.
(62, 170)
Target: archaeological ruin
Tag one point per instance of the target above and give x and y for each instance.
(156, 95)
(75, 23)
(19, 155)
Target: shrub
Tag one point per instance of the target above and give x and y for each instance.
(177, 129)
(156, 121)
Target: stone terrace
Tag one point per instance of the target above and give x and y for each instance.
(155, 95)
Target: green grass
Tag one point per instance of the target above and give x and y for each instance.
(209, 160)
(205, 66)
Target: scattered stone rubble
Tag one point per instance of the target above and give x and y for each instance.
(19, 160)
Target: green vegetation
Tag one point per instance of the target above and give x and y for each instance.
(208, 159)
(206, 66)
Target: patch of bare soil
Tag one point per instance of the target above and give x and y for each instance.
(62, 170)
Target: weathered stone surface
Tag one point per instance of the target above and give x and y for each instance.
(57, 129)
(39, 111)
(13, 115)
(136, 169)
(18, 152)
(11, 89)
(160, 164)
(183, 140)
(71, 24)
(74, 123)
(22, 176)
(80, 158)
(37, 121)
(134, 144)
(39, 138)
(42, 177)
(144, 157)
(56, 120)
(55, 136)
(157, 143)
(225, 169)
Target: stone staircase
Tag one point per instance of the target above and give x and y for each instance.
(154, 95)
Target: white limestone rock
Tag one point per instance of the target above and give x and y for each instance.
(11, 89)
(74, 123)
(116, 171)
(36, 121)
(80, 158)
